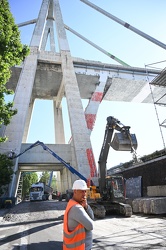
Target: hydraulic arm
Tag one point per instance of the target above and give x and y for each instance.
(122, 141)
(39, 143)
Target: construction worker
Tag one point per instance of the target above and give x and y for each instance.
(78, 220)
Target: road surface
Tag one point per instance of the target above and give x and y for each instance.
(39, 225)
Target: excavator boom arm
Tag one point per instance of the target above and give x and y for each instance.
(127, 144)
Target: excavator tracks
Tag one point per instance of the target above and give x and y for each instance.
(125, 209)
(98, 210)
(102, 208)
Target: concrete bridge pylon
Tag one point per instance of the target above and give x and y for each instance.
(17, 130)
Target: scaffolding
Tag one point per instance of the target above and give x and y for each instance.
(159, 81)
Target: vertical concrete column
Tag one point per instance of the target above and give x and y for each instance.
(94, 102)
(59, 188)
(65, 183)
(15, 130)
(80, 136)
(58, 123)
(85, 163)
(49, 29)
(38, 32)
(66, 180)
(49, 33)
(59, 131)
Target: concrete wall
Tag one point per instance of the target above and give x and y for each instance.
(153, 173)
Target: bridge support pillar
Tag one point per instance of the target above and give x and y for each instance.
(58, 123)
(83, 154)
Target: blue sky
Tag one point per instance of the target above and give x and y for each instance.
(147, 16)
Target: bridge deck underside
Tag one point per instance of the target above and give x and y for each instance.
(123, 83)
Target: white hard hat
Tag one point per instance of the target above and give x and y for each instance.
(80, 185)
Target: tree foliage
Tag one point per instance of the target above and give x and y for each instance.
(28, 180)
(45, 177)
(54, 183)
(12, 52)
(6, 172)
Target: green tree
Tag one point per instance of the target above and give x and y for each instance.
(12, 52)
(28, 180)
(6, 172)
(45, 177)
(54, 183)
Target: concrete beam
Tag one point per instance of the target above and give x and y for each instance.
(39, 156)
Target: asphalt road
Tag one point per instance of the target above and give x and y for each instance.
(38, 225)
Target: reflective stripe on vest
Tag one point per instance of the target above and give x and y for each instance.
(74, 233)
(80, 245)
(74, 240)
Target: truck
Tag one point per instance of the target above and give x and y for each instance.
(39, 191)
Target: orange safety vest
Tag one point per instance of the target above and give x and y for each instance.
(74, 240)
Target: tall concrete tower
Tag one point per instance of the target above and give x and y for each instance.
(25, 93)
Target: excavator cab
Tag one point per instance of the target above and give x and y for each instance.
(115, 188)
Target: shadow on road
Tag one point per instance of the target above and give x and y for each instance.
(51, 245)
(17, 236)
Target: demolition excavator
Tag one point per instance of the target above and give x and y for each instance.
(109, 196)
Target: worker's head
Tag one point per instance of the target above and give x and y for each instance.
(79, 190)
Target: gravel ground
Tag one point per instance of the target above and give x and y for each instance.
(33, 211)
